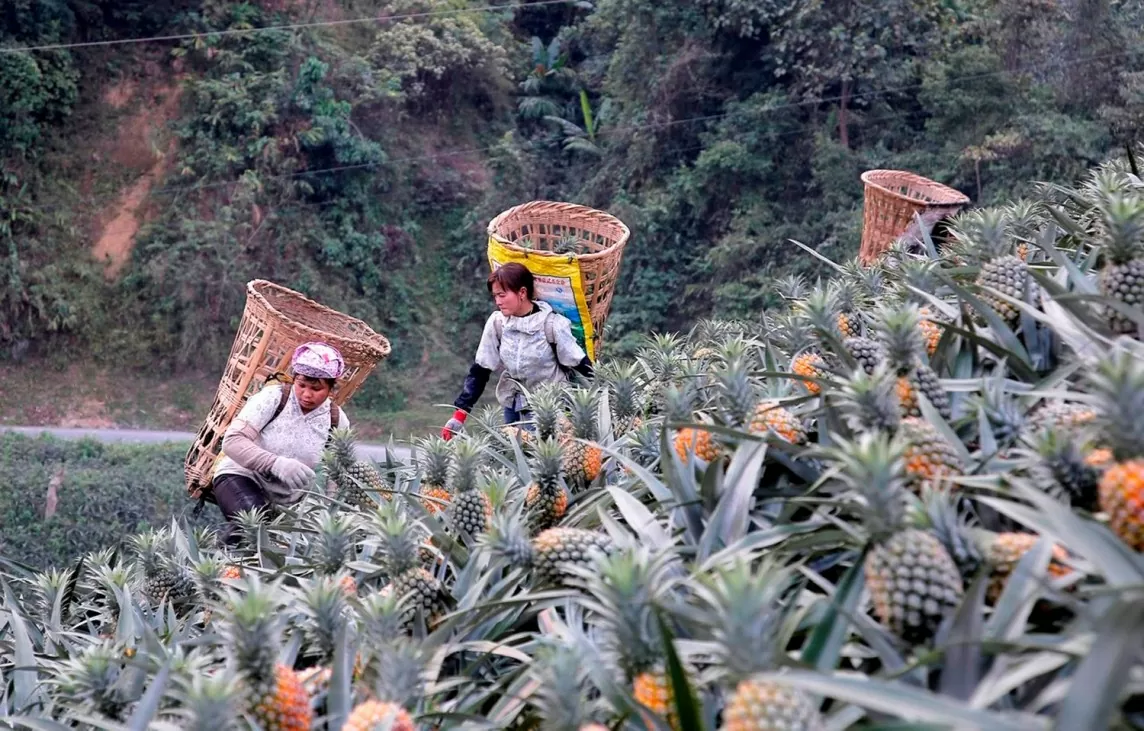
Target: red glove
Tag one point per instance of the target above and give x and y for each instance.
(454, 425)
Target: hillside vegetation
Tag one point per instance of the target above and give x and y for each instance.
(142, 184)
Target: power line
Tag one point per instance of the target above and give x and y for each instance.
(287, 27)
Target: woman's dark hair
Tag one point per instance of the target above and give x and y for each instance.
(513, 277)
(331, 382)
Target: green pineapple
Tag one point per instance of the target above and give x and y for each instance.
(561, 697)
(546, 500)
(737, 396)
(1059, 468)
(208, 702)
(899, 334)
(868, 353)
(625, 399)
(435, 455)
(163, 578)
(470, 510)
(332, 542)
(583, 459)
(547, 405)
(325, 610)
(400, 546)
(550, 554)
(1002, 270)
(92, 681)
(1122, 277)
(353, 479)
(869, 401)
(912, 579)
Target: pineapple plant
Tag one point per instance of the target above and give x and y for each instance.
(869, 401)
(470, 510)
(435, 456)
(699, 442)
(547, 555)
(912, 579)
(810, 365)
(1002, 551)
(1122, 277)
(547, 405)
(869, 354)
(373, 715)
(899, 334)
(1059, 466)
(652, 690)
(1060, 415)
(1118, 384)
(352, 479)
(546, 500)
(625, 397)
(986, 239)
(273, 693)
(931, 331)
(761, 705)
(400, 557)
(163, 578)
(583, 458)
(737, 397)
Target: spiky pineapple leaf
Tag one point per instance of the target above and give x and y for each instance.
(824, 647)
(683, 695)
(148, 705)
(1098, 684)
(964, 663)
(903, 701)
(639, 518)
(731, 517)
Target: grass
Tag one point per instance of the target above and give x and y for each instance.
(62, 499)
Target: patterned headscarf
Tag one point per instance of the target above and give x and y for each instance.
(317, 360)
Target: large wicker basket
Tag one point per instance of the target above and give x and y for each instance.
(276, 321)
(892, 199)
(598, 240)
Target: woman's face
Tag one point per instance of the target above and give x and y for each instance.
(310, 392)
(511, 304)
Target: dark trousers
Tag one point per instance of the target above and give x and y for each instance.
(512, 416)
(235, 493)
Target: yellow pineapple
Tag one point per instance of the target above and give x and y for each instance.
(471, 508)
(546, 501)
(761, 705)
(698, 442)
(770, 417)
(928, 455)
(902, 339)
(652, 690)
(809, 365)
(1004, 550)
(373, 714)
(434, 459)
(931, 332)
(1118, 383)
(583, 459)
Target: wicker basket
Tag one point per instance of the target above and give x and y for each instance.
(892, 199)
(276, 321)
(599, 246)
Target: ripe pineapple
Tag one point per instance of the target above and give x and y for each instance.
(1060, 415)
(931, 332)
(899, 334)
(582, 461)
(809, 364)
(435, 455)
(760, 705)
(375, 715)
(545, 502)
(769, 416)
(912, 579)
(698, 442)
(1002, 552)
(1118, 384)
(928, 454)
(163, 578)
(352, 477)
(400, 546)
(470, 510)
(849, 324)
(868, 353)
(1122, 278)
(652, 690)
(274, 694)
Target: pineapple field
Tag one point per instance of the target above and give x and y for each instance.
(910, 498)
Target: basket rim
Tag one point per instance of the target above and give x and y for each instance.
(377, 343)
(956, 196)
(611, 251)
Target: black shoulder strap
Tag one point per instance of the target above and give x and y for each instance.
(334, 415)
(282, 399)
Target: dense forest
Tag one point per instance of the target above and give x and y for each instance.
(355, 150)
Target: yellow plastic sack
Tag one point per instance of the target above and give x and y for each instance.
(558, 283)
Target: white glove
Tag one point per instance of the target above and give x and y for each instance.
(291, 473)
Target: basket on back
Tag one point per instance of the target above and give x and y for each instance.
(892, 199)
(276, 321)
(574, 253)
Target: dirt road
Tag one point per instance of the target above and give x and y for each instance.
(140, 436)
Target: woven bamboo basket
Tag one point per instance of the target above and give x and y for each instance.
(597, 239)
(892, 199)
(275, 322)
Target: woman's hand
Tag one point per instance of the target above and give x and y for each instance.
(455, 425)
(291, 473)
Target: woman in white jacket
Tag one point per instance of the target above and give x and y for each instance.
(272, 446)
(525, 341)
